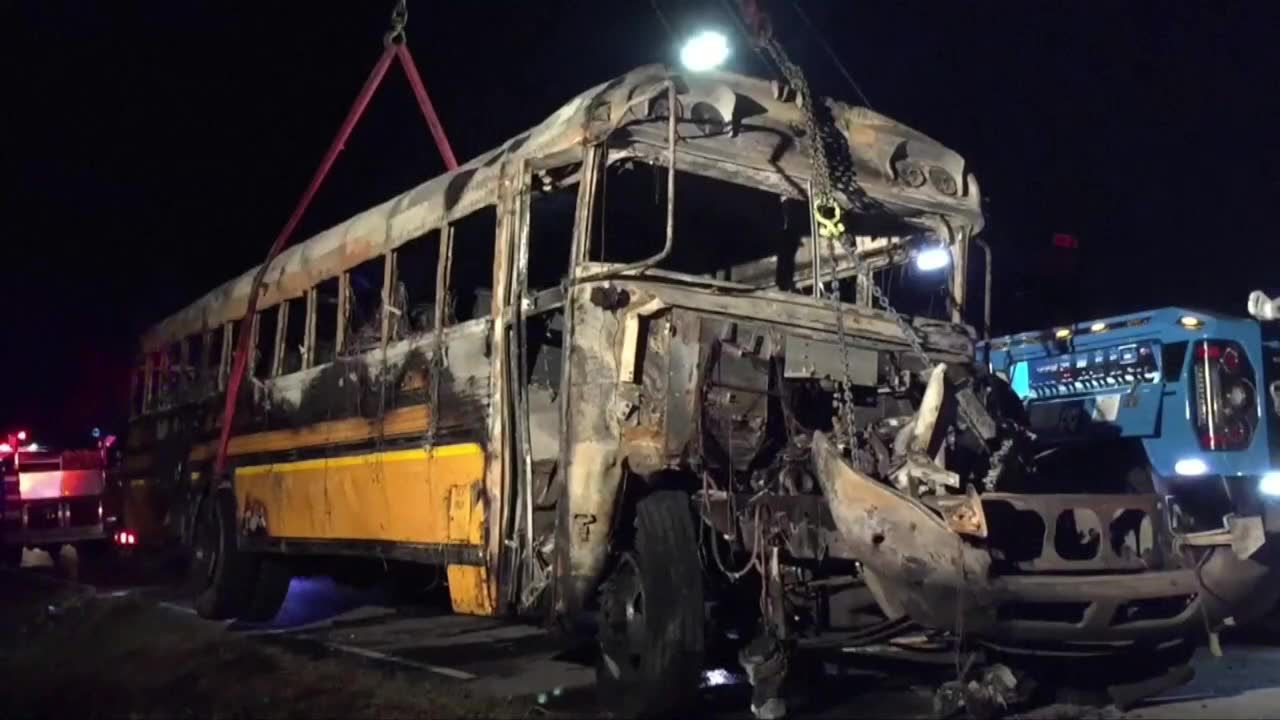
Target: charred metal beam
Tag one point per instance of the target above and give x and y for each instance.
(430, 553)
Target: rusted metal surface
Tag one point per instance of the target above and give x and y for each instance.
(594, 467)
(804, 521)
(767, 155)
(927, 569)
(965, 515)
(1102, 532)
(897, 536)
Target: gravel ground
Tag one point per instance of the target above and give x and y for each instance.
(67, 653)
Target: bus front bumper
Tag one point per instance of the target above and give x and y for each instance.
(939, 568)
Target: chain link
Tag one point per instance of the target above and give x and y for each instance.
(827, 211)
(399, 19)
(827, 217)
(995, 466)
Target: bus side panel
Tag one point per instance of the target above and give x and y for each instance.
(470, 592)
(411, 496)
(396, 496)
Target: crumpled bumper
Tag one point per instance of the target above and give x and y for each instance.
(917, 565)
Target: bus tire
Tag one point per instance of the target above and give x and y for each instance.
(221, 576)
(651, 624)
(270, 586)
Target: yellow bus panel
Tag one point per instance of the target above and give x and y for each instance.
(412, 496)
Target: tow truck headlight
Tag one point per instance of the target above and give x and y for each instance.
(1191, 467)
(1269, 484)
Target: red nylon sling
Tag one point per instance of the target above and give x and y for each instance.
(395, 47)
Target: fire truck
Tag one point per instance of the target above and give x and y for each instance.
(53, 498)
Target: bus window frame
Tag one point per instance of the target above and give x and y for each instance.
(309, 330)
(224, 365)
(282, 324)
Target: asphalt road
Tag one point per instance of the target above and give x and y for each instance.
(515, 660)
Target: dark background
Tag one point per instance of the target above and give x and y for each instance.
(153, 150)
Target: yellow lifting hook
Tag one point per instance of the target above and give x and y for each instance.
(826, 212)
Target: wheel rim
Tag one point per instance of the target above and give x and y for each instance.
(624, 632)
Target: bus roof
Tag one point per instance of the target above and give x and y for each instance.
(772, 158)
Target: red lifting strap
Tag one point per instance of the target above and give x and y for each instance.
(393, 49)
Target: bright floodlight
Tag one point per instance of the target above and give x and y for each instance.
(931, 259)
(1269, 485)
(1190, 466)
(704, 51)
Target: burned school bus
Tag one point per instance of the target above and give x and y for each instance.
(599, 373)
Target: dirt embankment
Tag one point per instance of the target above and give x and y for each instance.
(64, 653)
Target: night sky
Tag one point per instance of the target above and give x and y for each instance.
(153, 150)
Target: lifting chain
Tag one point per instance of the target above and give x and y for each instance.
(827, 216)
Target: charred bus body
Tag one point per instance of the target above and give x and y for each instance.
(593, 372)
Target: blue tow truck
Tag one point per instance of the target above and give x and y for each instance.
(1177, 402)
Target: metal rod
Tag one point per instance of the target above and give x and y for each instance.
(344, 312)
(388, 296)
(282, 331)
(986, 290)
(815, 252)
(309, 335)
(224, 361)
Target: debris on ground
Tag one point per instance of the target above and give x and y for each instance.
(994, 691)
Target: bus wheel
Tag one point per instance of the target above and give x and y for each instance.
(221, 576)
(651, 615)
(270, 587)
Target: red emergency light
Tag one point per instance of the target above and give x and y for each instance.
(1066, 240)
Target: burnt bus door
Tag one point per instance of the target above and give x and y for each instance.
(545, 211)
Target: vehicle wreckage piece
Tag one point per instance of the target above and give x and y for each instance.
(917, 558)
(994, 691)
(943, 580)
(919, 471)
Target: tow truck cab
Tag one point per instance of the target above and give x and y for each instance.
(1176, 399)
(52, 498)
